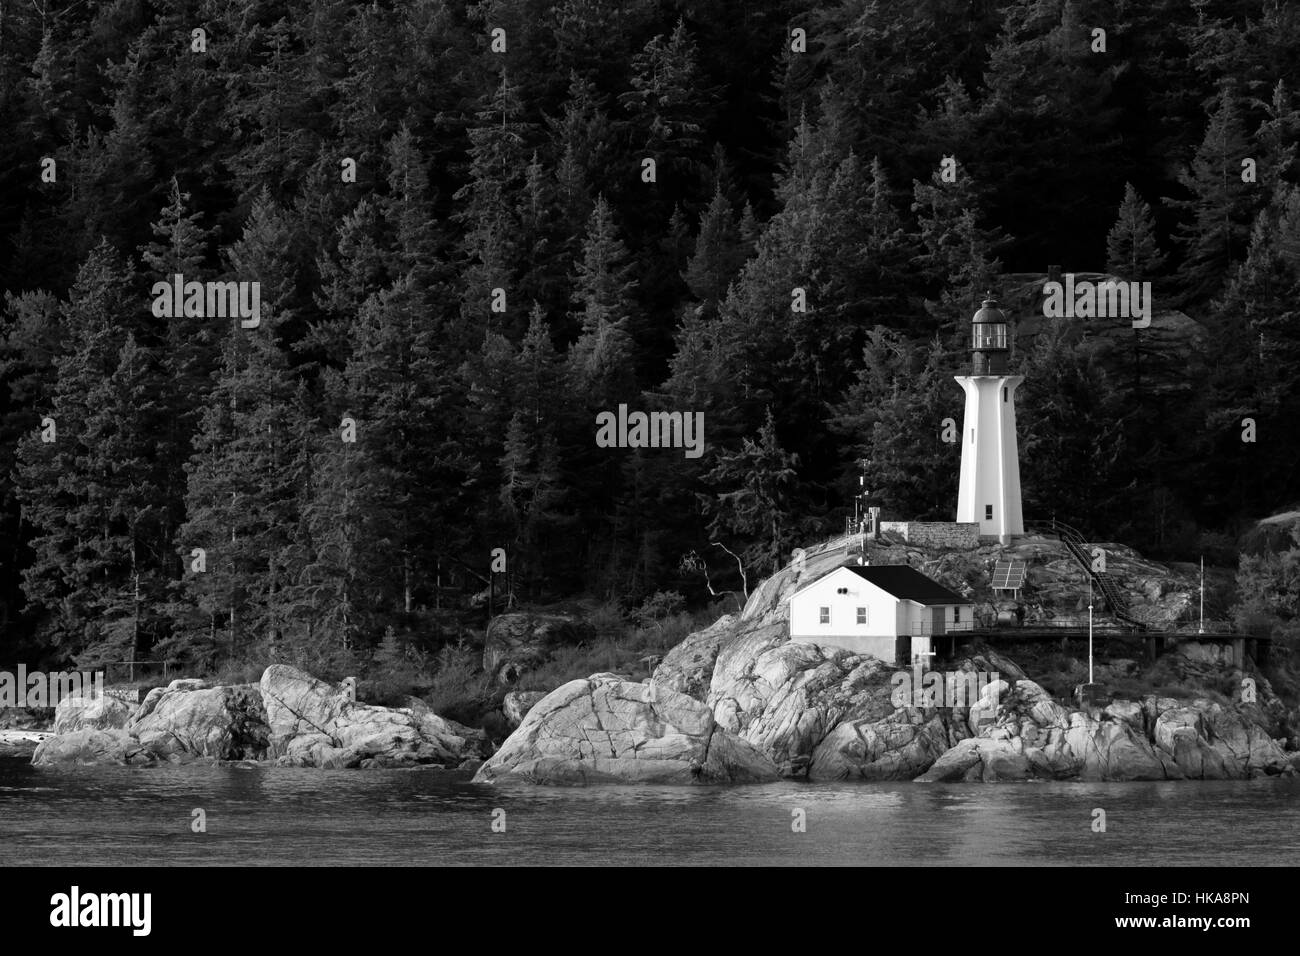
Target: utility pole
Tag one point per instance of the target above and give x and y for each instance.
(1090, 629)
(1201, 627)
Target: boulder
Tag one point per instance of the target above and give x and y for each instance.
(93, 712)
(520, 641)
(603, 730)
(1180, 733)
(897, 747)
(1109, 750)
(785, 698)
(518, 703)
(1031, 736)
(1126, 711)
(26, 718)
(1211, 742)
(298, 704)
(189, 719)
(91, 746)
(315, 724)
(688, 667)
(189, 683)
(963, 761)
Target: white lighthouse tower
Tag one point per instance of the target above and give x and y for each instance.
(989, 490)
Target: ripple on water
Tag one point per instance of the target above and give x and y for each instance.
(261, 815)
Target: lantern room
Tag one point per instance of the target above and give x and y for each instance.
(990, 344)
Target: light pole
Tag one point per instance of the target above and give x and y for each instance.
(1090, 629)
(1200, 629)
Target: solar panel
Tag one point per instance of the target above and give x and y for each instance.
(1009, 574)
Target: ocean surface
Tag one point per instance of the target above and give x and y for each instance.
(262, 815)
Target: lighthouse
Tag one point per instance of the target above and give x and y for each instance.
(989, 489)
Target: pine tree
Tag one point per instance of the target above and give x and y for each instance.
(356, 268)
(275, 148)
(1255, 347)
(602, 290)
(1047, 127)
(668, 103)
(754, 502)
(249, 471)
(719, 254)
(1279, 138)
(491, 201)
(958, 256)
(892, 418)
(1221, 207)
(1131, 248)
(91, 495)
(1072, 427)
(582, 142)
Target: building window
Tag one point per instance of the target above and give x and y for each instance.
(1004, 393)
(862, 615)
(988, 512)
(824, 615)
(956, 614)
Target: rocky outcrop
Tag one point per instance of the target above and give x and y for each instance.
(91, 746)
(315, 724)
(518, 642)
(1211, 742)
(1033, 737)
(606, 730)
(898, 746)
(190, 719)
(288, 716)
(784, 698)
(688, 667)
(91, 712)
(518, 703)
(26, 718)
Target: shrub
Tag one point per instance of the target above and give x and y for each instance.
(459, 689)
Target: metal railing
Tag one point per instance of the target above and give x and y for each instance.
(1078, 548)
(926, 628)
(131, 665)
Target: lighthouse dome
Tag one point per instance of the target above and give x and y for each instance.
(989, 312)
(990, 343)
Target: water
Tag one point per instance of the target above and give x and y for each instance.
(280, 816)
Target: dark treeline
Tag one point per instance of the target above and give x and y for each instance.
(128, 441)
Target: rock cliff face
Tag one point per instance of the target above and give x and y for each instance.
(606, 730)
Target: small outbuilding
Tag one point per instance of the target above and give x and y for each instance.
(890, 611)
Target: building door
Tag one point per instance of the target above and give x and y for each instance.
(903, 651)
(939, 621)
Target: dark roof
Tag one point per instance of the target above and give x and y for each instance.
(903, 581)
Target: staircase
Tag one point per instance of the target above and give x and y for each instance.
(1105, 583)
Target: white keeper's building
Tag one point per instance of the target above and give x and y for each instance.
(892, 612)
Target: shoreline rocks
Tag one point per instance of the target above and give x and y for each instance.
(288, 716)
(606, 730)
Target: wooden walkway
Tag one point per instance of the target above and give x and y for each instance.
(1157, 642)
